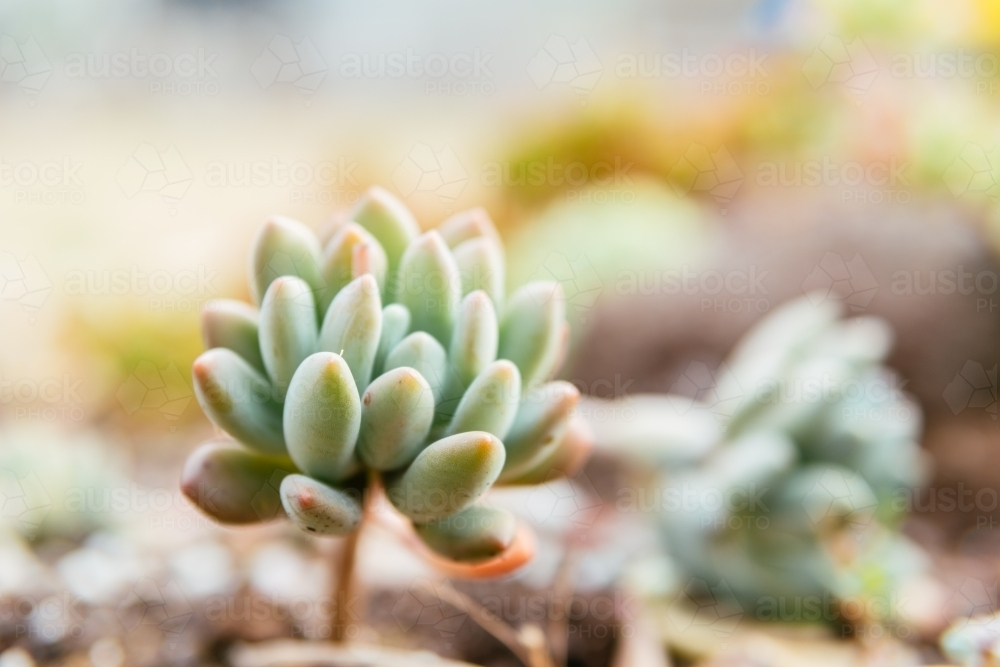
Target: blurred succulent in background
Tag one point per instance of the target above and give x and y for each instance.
(973, 642)
(54, 483)
(390, 358)
(786, 473)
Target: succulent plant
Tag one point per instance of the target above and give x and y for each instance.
(973, 642)
(389, 358)
(787, 472)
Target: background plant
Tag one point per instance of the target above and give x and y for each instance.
(786, 477)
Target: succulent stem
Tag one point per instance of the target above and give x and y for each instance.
(343, 579)
(345, 585)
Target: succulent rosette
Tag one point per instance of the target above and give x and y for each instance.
(387, 358)
(788, 473)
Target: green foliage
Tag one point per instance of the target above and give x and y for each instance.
(382, 351)
(787, 476)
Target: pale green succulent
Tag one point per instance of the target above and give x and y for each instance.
(973, 642)
(390, 351)
(786, 475)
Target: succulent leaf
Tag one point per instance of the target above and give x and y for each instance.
(429, 285)
(533, 330)
(481, 267)
(284, 247)
(566, 459)
(474, 341)
(239, 400)
(397, 411)
(395, 324)
(473, 347)
(388, 220)
(353, 325)
(491, 402)
(345, 249)
(541, 423)
(234, 325)
(232, 484)
(318, 508)
(471, 224)
(658, 428)
(287, 329)
(448, 476)
(322, 417)
(474, 534)
(423, 353)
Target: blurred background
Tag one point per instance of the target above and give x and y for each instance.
(681, 168)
